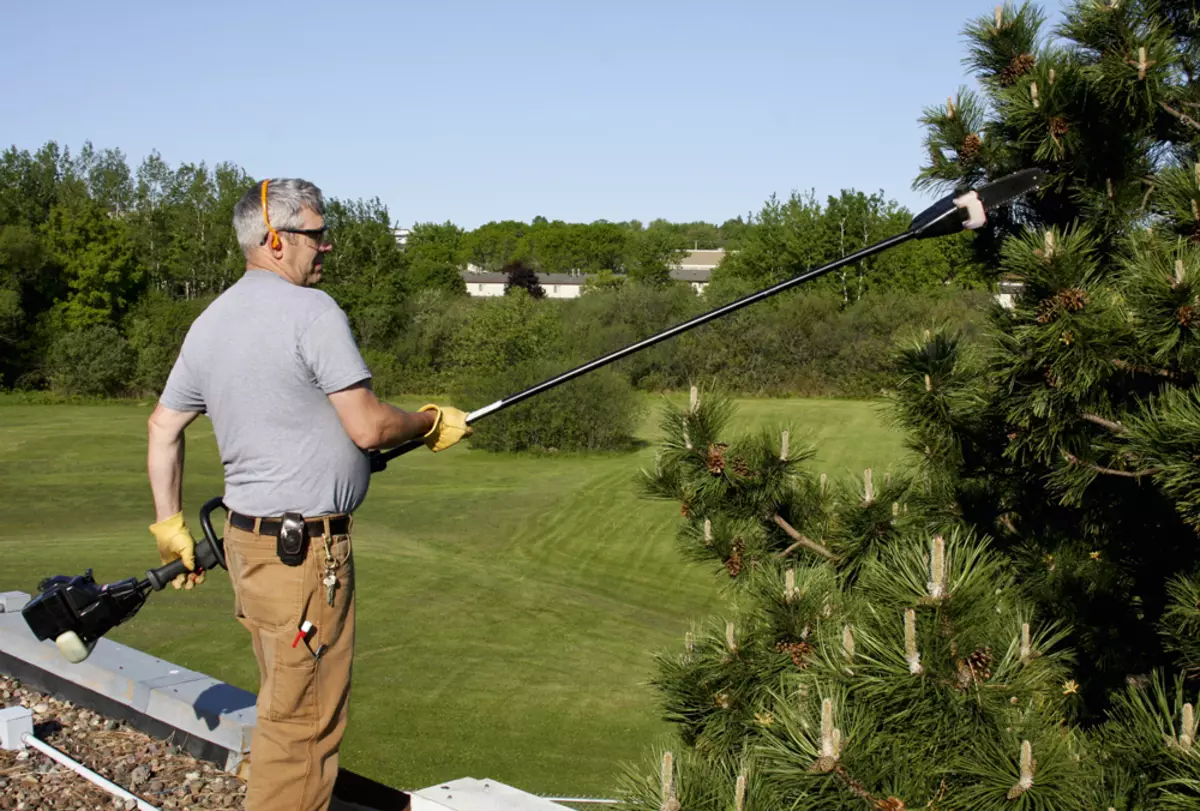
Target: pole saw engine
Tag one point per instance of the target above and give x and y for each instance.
(76, 611)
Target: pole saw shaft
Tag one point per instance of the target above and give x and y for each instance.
(380, 459)
(951, 214)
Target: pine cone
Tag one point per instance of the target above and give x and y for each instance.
(741, 468)
(734, 562)
(890, 804)
(969, 151)
(1186, 316)
(1018, 67)
(1058, 126)
(1047, 310)
(684, 510)
(977, 668)
(716, 459)
(799, 651)
(1073, 299)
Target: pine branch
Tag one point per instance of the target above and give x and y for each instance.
(1108, 471)
(1184, 117)
(1147, 370)
(857, 788)
(800, 540)
(1115, 427)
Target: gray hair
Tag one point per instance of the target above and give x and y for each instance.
(286, 199)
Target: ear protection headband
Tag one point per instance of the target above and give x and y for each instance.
(276, 243)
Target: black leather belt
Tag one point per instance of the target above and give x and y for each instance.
(338, 525)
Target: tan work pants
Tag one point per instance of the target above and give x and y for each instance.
(302, 699)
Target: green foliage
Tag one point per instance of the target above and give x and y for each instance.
(365, 272)
(799, 234)
(504, 332)
(86, 239)
(95, 361)
(433, 254)
(870, 655)
(96, 256)
(651, 253)
(155, 329)
(1067, 429)
(597, 412)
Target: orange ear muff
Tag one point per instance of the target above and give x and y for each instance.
(276, 243)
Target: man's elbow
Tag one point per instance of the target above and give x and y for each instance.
(366, 434)
(158, 431)
(366, 427)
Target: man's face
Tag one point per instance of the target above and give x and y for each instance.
(305, 252)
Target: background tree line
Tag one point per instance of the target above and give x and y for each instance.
(103, 267)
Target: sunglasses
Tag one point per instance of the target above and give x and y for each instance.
(317, 234)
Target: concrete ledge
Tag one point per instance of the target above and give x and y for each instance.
(208, 718)
(470, 794)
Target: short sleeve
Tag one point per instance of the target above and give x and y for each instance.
(182, 390)
(328, 348)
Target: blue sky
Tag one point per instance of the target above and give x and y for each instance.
(478, 111)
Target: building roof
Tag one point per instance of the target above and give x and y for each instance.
(488, 277)
(684, 274)
(702, 259)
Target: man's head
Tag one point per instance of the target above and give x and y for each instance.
(280, 225)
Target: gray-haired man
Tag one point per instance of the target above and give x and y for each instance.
(273, 363)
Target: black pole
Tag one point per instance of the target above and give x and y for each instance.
(379, 459)
(951, 214)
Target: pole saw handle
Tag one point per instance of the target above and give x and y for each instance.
(210, 551)
(379, 459)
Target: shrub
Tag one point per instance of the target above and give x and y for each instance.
(96, 361)
(596, 412)
(156, 328)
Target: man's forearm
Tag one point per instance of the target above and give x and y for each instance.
(164, 465)
(397, 426)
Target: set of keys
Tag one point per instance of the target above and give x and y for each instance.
(330, 580)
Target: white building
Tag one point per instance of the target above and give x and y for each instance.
(694, 269)
(556, 285)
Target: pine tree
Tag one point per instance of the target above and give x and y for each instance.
(1071, 435)
(1055, 480)
(873, 655)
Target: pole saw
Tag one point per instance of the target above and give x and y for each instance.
(77, 611)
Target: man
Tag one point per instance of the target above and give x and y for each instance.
(274, 365)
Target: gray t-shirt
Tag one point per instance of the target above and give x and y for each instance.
(260, 361)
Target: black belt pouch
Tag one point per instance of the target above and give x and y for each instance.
(291, 545)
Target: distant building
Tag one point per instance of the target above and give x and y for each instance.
(695, 269)
(556, 285)
(401, 235)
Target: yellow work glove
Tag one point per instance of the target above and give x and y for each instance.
(449, 426)
(175, 541)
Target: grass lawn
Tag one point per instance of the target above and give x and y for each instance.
(509, 607)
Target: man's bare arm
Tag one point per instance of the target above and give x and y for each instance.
(371, 423)
(164, 458)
